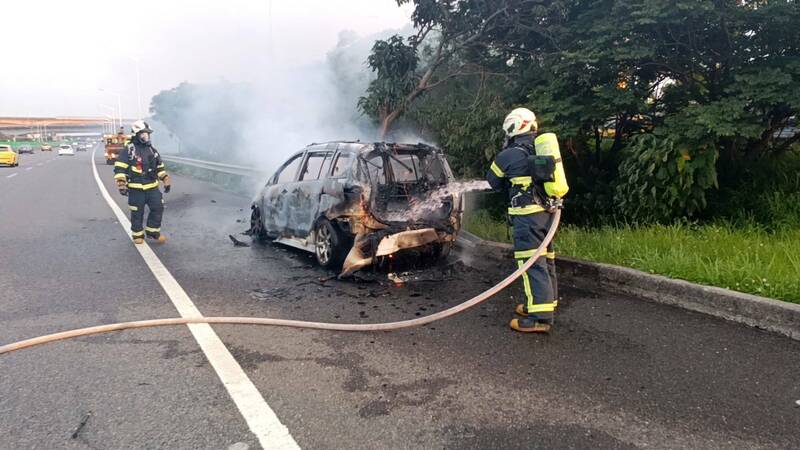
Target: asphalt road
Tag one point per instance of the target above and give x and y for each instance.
(617, 372)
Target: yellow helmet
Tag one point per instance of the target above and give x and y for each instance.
(520, 121)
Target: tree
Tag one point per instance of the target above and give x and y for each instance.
(652, 99)
(449, 35)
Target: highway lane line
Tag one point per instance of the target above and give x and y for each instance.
(261, 419)
(29, 168)
(12, 175)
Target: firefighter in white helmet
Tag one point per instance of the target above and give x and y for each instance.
(139, 171)
(527, 178)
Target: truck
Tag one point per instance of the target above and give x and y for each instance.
(115, 143)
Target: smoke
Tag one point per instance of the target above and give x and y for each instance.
(261, 122)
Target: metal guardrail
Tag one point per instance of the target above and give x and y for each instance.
(217, 167)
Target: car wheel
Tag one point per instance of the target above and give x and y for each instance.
(257, 232)
(330, 247)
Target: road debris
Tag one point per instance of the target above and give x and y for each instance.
(238, 243)
(81, 425)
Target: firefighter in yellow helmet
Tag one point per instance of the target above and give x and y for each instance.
(138, 172)
(530, 172)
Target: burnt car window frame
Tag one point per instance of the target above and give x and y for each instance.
(415, 166)
(301, 156)
(327, 156)
(346, 172)
(379, 170)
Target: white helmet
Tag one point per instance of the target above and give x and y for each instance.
(520, 121)
(140, 126)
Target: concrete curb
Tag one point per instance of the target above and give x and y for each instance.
(760, 312)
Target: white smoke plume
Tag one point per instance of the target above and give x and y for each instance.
(260, 123)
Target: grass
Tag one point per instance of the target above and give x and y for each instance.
(746, 259)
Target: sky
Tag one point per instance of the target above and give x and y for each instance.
(67, 58)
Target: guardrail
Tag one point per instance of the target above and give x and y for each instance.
(244, 180)
(217, 167)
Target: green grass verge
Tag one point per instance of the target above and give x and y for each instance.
(746, 259)
(35, 145)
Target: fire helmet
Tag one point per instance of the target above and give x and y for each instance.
(140, 126)
(520, 121)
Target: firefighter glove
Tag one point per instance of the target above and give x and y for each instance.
(167, 184)
(122, 185)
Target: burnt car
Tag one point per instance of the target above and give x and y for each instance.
(354, 204)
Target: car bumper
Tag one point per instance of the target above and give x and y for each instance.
(392, 244)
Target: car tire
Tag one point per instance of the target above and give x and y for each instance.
(330, 245)
(257, 232)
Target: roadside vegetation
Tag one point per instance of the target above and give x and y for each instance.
(35, 145)
(744, 258)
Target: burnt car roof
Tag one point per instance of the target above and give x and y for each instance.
(368, 147)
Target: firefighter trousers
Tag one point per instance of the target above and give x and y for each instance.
(137, 199)
(539, 282)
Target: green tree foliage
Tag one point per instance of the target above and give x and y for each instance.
(450, 42)
(657, 102)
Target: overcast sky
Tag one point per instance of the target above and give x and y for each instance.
(58, 54)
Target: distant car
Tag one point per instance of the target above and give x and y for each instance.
(46, 148)
(65, 149)
(25, 149)
(82, 147)
(8, 156)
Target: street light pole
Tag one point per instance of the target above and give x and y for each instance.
(106, 124)
(138, 87)
(110, 108)
(119, 104)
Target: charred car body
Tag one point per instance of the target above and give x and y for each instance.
(354, 204)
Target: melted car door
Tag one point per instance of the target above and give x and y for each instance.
(278, 203)
(309, 189)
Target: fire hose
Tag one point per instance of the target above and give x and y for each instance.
(388, 326)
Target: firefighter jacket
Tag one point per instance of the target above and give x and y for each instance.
(140, 165)
(510, 173)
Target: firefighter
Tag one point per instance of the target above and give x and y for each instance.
(138, 172)
(530, 217)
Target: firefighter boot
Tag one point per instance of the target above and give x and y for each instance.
(138, 240)
(529, 325)
(160, 239)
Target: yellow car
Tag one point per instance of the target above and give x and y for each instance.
(8, 156)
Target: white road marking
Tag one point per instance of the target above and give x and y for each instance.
(39, 164)
(12, 175)
(261, 419)
(29, 168)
